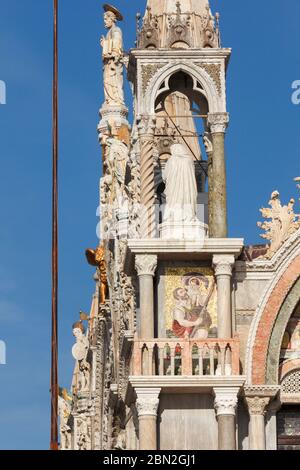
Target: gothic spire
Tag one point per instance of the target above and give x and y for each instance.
(180, 24)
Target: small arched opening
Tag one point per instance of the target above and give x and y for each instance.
(181, 110)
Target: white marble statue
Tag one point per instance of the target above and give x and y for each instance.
(80, 352)
(181, 186)
(117, 157)
(113, 55)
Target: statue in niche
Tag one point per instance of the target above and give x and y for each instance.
(80, 352)
(113, 55)
(181, 186)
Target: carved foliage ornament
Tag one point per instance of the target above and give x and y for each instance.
(214, 71)
(281, 223)
(218, 122)
(226, 403)
(257, 405)
(146, 264)
(148, 72)
(147, 405)
(223, 265)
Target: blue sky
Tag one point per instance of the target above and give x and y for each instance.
(263, 144)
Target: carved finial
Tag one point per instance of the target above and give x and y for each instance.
(138, 28)
(218, 32)
(283, 222)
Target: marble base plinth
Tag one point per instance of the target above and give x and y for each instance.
(113, 116)
(192, 231)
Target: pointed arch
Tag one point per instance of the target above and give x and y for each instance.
(216, 103)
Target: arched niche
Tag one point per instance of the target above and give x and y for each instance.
(203, 83)
(181, 109)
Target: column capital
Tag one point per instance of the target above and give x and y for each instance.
(146, 125)
(218, 122)
(145, 264)
(147, 401)
(223, 264)
(226, 400)
(257, 405)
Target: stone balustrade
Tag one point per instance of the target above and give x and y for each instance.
(173, 357)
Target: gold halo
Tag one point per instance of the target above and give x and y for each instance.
(114, 10)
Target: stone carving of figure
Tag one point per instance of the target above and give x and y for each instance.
(117, 157)
(80, 352)
(64, 411)
(181, 186)
(113, 55)
(83, 435)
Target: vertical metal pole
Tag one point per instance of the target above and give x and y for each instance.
(54, 345)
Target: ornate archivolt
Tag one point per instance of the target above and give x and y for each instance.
(265, 318)
(148, 72)
(216, 102)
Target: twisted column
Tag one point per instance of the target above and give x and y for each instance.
(146, 129)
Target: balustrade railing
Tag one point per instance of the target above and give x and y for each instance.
(173, 357)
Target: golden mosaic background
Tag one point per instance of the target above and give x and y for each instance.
(173, 278)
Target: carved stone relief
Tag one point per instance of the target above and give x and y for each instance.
(280, 225)
(214, 71)
(148, 72)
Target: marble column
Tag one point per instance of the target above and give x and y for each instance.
(147, 406)
(226, 400)
(223, 265)
(257, 428)
(209, 152)
(146, 266)
(146, 130)
(217, 123)
(271, 424)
